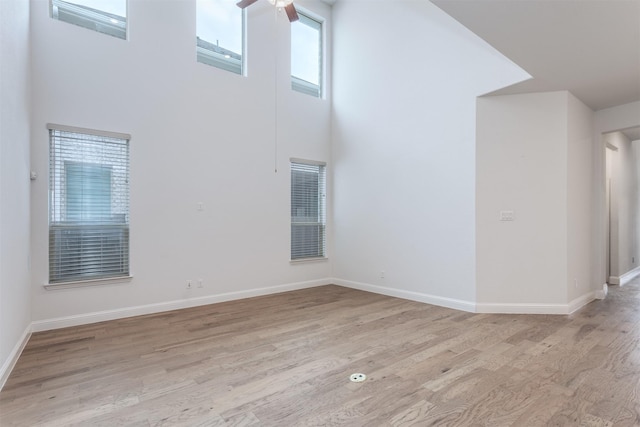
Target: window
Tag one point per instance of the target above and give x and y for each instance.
(88, 191)
(220, 34)
(88, 204)
(308, 216)
(306, 56)
(103, 16)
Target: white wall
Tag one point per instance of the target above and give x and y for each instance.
(635, 149)
(605, 121)
(535, 159)
(406, 76)
(15, 303)
(199, 134)
(522, 167)
(624, 191)
(579, 198)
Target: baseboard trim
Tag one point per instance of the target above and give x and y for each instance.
(409, 295)
(613, 280)
(521, 308)
(101, 316)
(602, 294)
(488, 308)
(629, 276)
(580, 302)
(10, 363)
(468, 306)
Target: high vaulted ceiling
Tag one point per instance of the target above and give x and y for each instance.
(589, 47)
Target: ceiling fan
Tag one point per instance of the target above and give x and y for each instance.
(286, 4)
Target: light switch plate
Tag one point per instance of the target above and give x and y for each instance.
(507, 216)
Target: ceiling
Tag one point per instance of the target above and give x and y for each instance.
(632, 133)
(588, 47)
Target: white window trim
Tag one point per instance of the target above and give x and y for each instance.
(88, 283)
(73, 129)
(310, 259)
(307, 162)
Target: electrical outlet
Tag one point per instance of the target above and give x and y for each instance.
(200, 283)
(382, 274)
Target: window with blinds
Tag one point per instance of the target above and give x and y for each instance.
(308, 210)
(88, 204)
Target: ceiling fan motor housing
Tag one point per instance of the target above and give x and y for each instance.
(281, 3)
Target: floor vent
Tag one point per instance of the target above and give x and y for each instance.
(358, 377)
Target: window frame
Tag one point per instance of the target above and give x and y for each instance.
(92, 19)
(300, 253)
(87, 251)
(301, 85)
(215, 56)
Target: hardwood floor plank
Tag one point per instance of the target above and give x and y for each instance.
(284, 360)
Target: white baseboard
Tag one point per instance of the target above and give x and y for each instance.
(613, 280)
(413, 296)
(580, 302)
(603, 293)
(521, 308)
(629, 276)
(8, 364)
(469, 306)
(524, 308)
(101, 316)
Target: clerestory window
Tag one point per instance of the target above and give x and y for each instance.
(103, 16)
(220, 34)
(306, 55)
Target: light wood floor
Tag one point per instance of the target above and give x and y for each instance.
(284, 360)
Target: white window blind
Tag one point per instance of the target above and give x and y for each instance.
(306, 56)
(308, 210)
(88, 205)
(103, 16)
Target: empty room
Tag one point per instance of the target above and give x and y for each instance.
(319, 212)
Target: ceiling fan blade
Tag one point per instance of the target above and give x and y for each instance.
(291, 12)
(244, 3)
